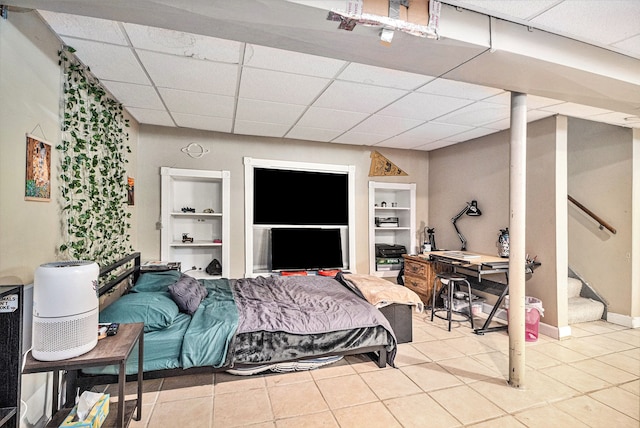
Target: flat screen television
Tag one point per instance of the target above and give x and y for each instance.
(305, 249)
(294, 197)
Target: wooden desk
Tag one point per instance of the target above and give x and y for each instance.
(109, 351)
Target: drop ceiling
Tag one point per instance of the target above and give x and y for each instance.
(295, 81)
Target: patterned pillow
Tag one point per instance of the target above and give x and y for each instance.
(187, 292)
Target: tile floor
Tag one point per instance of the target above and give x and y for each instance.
(442, 379)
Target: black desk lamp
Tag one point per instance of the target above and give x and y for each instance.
(471, 210)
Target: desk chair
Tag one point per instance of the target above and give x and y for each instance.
(448, 283)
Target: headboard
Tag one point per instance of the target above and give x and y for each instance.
(133, 271)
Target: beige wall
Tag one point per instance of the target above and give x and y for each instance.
(600, 177)
(479, 169)
(162, 147)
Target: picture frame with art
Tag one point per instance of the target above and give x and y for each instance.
(37, 170)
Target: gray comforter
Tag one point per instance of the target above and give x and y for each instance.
(284, 318)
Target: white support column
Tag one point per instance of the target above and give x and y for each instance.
(517, 223)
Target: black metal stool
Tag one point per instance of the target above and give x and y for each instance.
(448, 283)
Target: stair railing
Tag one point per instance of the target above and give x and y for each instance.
(601, 223)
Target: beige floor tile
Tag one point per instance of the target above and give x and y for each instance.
(390, 383)
(579, 332)
(276, 379)
(345, 391)
(604, 371)
(468, 369)
(408, 355)
(497, 361)
(466, 404)
(339, 368)
(150, 390)
(557, 351)
(225, 383)
(241, 408)
(296, 399)
(619, 399)
(633, 387)
(622, 362)
(626, 336)
(438, 351)
(421, 335)
(595, 346)
(371, 415)
(431, 376)
(195, 413)
(507, 421)
(595, 414)
(471, 345)
(316, 420)
(185, 387)
(575, 378)
(598, 327)
(632, 353)
(548, 417)
(362, 363)
(438, 329)
(420, 410)
(539, 360)
(506, 397)
(547, 388)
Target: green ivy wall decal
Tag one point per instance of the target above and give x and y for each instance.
(93, 178)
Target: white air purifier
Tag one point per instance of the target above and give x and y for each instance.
(65, 310)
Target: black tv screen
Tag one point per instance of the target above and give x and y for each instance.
(305, 249)
(290, 197)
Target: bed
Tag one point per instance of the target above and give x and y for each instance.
(239, 325)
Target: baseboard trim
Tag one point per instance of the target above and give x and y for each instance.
(623, 320)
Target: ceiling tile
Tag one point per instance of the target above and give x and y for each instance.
(435, 145)
(133, 95)
(246, 127)
(109, 62)
(268, 85)
(477, 114)
(532, 115)
(630, 45)
(361, 73)
(616, 19)
(291, 62)
(312, 134)
(151, 117)
(266, 111)
(198, 103)
(357, 97)
(452, 88)
(170, 71)
(533, 101)
(325, 118)
(386, 125)
(575, 110)
(184, 44)
(206, 123)
(469, 135)
(84, 27)
(518, 9)
(621, 119)
(359, 138)
(432, 131)
(402, 141)
(424, 106)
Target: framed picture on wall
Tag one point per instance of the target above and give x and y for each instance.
(38, 170)
(130, 190)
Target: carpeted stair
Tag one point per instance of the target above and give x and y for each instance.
(582, 309)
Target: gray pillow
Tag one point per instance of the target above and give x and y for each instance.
(187, 292)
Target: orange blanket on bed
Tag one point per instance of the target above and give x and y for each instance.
(380, 292)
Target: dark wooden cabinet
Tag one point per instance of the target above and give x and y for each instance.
(11, 295)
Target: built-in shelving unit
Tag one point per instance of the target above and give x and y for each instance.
(207, 232)
(392, 220)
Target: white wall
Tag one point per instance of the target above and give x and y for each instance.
(162, 147)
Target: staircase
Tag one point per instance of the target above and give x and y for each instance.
(582, 309)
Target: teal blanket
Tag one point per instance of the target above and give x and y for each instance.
(206, 341)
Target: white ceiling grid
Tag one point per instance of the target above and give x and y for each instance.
(171, 78)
